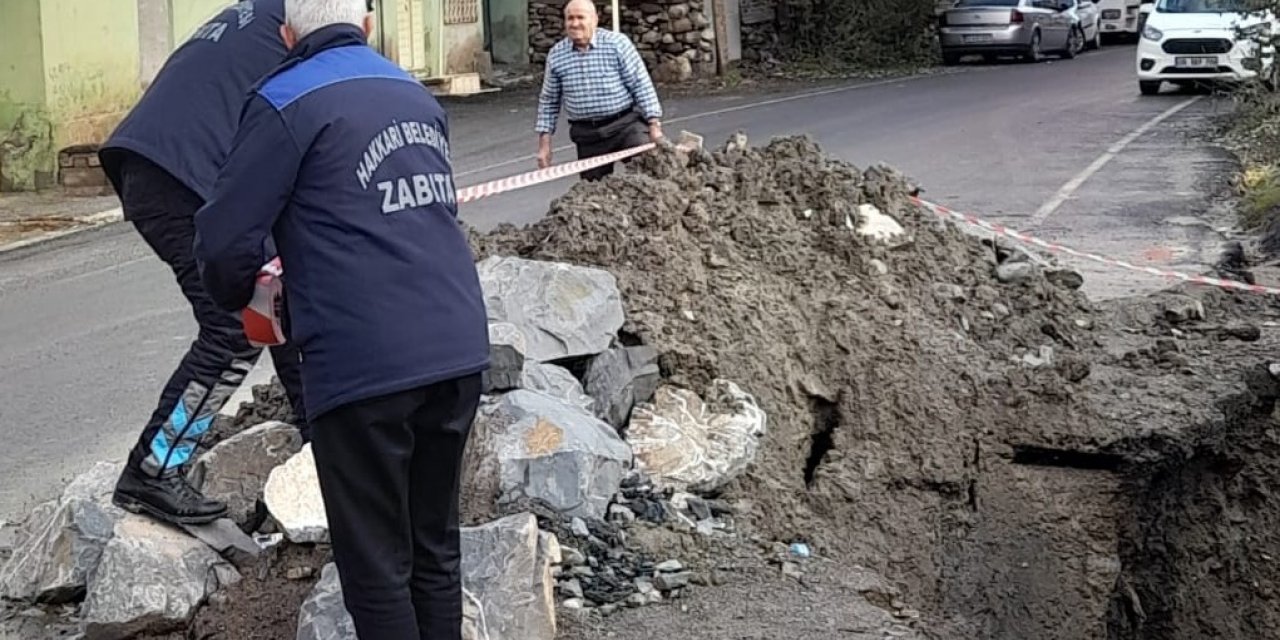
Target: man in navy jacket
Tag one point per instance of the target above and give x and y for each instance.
(162, 160)
(343, 158)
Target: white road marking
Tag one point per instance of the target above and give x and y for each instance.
(736, 108)
(1069, 189)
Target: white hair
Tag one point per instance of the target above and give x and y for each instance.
(308, 16)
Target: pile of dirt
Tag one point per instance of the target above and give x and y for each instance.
(880, 367)
(938, 413)
(943, 411)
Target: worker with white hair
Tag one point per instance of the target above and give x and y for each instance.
(604, 87)
(343, 158)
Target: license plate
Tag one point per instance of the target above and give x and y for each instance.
(982, 38)
(1196, 62)
(1110, 27)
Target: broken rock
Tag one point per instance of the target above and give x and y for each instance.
(61, 542)
(1179, 309)
(564, 311)
(293, 498)
(507, 347)
(508, 591)
(556, 382)
(687, 444)
(545, 449)
(151, 577)
(620, 378)
(236, 470)
(879, 227)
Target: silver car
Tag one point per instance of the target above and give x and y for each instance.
(1025, 28)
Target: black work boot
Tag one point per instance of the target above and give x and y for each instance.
(167, 498)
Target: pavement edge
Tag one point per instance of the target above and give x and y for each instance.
(82, 223)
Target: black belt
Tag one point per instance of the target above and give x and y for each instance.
(603, 120)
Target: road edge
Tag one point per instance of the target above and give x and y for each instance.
(82, 224)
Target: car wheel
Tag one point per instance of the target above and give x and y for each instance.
(1096, 42)
(1149, 87)
(1033, 53)
(1075, 43)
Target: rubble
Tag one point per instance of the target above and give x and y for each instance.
(151, 577)
(564, 311)
(948, 453)
(293, 498)
(507, 587)
(687, 444)
(556, 382)
(507, 346)
(619, 378)
(57, 548)
(530, 444)
(236, 470)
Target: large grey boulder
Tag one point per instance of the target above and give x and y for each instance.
(507, 346)
(506, 580)
(507, 565)
(556, 382)
(530, 444)
(564, 311)
(151, 578)
(236, 470)
(619, 378)
(61, 542)
(293, 498)
(687, 444)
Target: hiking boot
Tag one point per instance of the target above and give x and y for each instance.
(168, 498)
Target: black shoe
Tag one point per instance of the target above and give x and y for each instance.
(167, 498)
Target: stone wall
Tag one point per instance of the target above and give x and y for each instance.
(760, 41)
(675, 37)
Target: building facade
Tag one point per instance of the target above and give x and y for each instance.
(71, 69)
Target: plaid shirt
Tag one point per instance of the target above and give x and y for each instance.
(604, 80)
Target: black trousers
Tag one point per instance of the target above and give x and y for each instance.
(390, 469)
(607, 135)
(163, 211)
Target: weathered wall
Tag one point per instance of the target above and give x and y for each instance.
(509, 31)
(91, 66)
(464, 47)
(189, 14)
(759, 20)
(26, 136)
(674, 37)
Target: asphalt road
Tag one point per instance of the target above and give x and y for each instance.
(91, 325)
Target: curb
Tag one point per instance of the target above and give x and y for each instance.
(82, 223)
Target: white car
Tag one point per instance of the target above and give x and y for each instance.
(1188, 41)
(1120, 17)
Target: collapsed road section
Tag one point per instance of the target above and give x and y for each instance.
(764, 361)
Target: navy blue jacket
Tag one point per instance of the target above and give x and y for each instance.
(343, 157)
(186, 120)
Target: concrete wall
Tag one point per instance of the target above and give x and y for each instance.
(186, 15)
(26, 134)
(91, 64)
(509, 31)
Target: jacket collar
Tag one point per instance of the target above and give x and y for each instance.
(332, 36)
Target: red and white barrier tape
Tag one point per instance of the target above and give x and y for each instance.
(539, 176)
(1054, 247)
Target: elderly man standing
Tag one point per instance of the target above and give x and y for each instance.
(606, 91)
(343, 158)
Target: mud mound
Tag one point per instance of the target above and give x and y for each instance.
(882, 364)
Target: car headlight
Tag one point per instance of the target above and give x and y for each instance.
(1152, 33)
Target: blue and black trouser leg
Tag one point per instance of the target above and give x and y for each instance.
(216, 363)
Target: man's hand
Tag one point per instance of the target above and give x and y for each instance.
(655, 131)
(544, 151)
